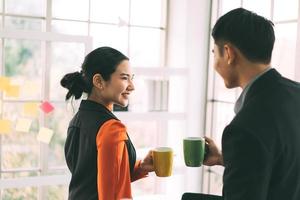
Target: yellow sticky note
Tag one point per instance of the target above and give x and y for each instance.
(4, 83)
(23, 125)
(45, 135)
(13, 91)
(30, 109)
(5, 126)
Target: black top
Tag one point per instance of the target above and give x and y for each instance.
(81, 149)
(261, 145)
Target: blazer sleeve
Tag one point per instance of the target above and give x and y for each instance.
(248, 165)
(113, 178)
(138, 173)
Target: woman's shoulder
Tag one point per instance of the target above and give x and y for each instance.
(112, 131)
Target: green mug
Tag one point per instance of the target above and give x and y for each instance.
(194, 151)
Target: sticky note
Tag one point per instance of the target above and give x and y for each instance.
(13, 91)
(4, 83)
(45, 135)
(5, 126)
(46, 107)
(23, 125)
(30, 109)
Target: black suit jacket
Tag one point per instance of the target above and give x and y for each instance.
(261, 145)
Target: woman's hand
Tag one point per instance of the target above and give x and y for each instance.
(147, 163)
(214, 155)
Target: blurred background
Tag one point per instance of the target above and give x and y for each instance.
(177, 92)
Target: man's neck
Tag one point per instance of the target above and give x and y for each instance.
(249, 72)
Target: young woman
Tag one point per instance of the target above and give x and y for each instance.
(98, 150)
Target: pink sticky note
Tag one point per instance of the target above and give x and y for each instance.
(46, 107)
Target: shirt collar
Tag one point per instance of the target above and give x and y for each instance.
(240, 101)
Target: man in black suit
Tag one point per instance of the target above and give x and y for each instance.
(261, 145)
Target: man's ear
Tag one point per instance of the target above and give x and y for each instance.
(98, 81)
(229, 53)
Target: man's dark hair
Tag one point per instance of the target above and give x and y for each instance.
(252, 34)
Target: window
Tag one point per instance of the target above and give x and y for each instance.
(220, 100)
(41, 40)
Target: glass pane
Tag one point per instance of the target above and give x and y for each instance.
(176, 133)
(148, 13)
(143, 186)
(23, 63)
(66, 58)
(69, 27)
(1, 6)
(222, 93)
(113, 11)
(145, 47)
(223, 113)
(20, 193)
(216, 180)
(26, 7)
(144, 134)
(110, 35)
(70, 9)
(284, 54)
(10, 175)
(261, 7)
(58, 121)
(19, 149)
(227, 5)
(57, 192)
(24, 24)
(284, 10)
(178, 94)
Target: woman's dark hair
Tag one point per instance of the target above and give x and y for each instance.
(103, 61)
(252, 34)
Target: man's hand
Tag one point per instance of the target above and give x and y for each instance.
(214, 155)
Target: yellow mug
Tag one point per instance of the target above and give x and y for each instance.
(163, 161)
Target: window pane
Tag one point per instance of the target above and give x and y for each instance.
(145, 47)
(112, 11)
(70, 9)
(26, 7)
(284, 10)
(23, 63)
(178, 94)
(19, 149)
(20, 193)
(57, 192)
(227, 5)
(222, 114)
(176, 133)
(110, 35)
(222, 93)
(69, 27)
(24, 24)
(1, 6)
(58, 121)
(261, 7)
(10, 175)
(144, 134)
(283, 57)
(148, 13)
(66, 58)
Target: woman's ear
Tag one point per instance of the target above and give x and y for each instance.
(230, 53)
(98, 81)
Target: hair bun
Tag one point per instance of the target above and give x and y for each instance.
(74, 83)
